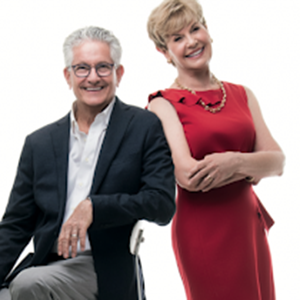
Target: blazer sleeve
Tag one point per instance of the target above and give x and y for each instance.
(154, 201)
(17, 225)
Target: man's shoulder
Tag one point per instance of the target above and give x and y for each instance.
(140, 114)
(42, 132)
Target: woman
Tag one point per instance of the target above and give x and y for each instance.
(220, 146)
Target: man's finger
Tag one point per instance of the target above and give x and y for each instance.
(82, 237)
(74, 242)
(64, 241)
(61, 241)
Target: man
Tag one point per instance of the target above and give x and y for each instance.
(81, 185)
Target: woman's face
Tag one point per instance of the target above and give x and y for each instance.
(190, 48)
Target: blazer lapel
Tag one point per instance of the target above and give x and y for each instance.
(119, 120)
(60, 139)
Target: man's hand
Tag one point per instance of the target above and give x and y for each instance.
(75, 228)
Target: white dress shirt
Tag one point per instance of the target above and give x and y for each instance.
(84, 151)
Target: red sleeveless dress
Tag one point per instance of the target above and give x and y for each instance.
(219, 237)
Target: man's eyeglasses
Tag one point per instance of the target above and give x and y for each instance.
(102, 69)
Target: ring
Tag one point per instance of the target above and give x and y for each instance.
(209, 178)
(74, 235)
(249, 178)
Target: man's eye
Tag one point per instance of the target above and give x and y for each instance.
(103, 67)
(82, 68)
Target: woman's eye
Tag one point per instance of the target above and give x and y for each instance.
(196, 28)
(177, 39)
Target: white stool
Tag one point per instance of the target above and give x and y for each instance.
(135, 241)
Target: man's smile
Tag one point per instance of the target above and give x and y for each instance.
(93, 89)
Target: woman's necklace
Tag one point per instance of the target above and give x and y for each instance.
(206, 107)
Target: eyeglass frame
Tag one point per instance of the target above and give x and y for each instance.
(110, 64)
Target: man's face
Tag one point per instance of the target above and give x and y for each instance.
(93, 91)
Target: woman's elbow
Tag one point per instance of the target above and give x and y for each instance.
(278, 163)
(281, 163)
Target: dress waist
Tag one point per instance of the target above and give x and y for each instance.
(232, 195)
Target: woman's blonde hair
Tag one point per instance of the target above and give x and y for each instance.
(170, 17)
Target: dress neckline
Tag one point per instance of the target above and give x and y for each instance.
(196, 91)
(209, 97)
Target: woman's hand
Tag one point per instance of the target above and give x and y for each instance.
(215, 170)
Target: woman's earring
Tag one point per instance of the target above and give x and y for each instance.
(211, 40)
(169, 61)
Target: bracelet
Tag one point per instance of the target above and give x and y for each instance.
(249, 178)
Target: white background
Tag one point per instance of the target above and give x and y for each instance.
(256, 43)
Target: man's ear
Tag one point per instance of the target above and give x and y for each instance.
(119, 73)
(67, 75)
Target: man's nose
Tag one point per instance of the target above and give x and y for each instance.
(93, 76)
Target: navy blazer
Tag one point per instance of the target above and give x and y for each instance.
(133, 180)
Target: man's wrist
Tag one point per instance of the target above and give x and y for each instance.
(90, 202)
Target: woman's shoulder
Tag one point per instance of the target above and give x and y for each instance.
(172, 95)
(236, 90)
(233, 86)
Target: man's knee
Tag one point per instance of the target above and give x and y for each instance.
(5, 294)
(28, 285)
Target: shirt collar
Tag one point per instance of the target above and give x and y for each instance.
(101, 118)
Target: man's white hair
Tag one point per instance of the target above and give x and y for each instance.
(95, 34)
